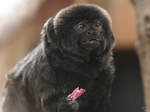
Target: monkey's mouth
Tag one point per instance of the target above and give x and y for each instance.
(90, 43)
(93, 41)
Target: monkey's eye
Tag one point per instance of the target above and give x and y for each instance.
(81, 26)
(98, 25)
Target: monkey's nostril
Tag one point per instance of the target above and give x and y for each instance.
(91, 33)
(88, 33)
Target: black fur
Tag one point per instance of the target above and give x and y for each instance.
(42, 81)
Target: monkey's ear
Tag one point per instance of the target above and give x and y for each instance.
(48, 33)
(112, 41)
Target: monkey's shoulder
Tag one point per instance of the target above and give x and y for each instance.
(29, 65)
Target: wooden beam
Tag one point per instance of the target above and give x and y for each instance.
(142, 8)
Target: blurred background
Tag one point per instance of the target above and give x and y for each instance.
(21, 22)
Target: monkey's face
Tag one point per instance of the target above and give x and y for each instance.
(90, 35)
(86, 36)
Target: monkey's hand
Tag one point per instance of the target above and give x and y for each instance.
(67, 105)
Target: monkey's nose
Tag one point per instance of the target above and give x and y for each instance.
(91, 33)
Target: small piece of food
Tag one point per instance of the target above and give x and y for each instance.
(76, 93)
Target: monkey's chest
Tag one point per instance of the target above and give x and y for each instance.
(71, 80)
(94, 87)
(68, 81)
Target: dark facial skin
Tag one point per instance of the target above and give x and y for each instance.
(90, 34)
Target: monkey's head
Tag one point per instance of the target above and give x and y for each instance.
(80, 30)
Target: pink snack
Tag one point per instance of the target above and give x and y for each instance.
(76, 93)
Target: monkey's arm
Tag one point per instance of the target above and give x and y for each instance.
(67, 105)
(52, 100)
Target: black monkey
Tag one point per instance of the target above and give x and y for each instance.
(76, 50)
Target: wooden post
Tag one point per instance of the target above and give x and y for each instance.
(142, 8)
